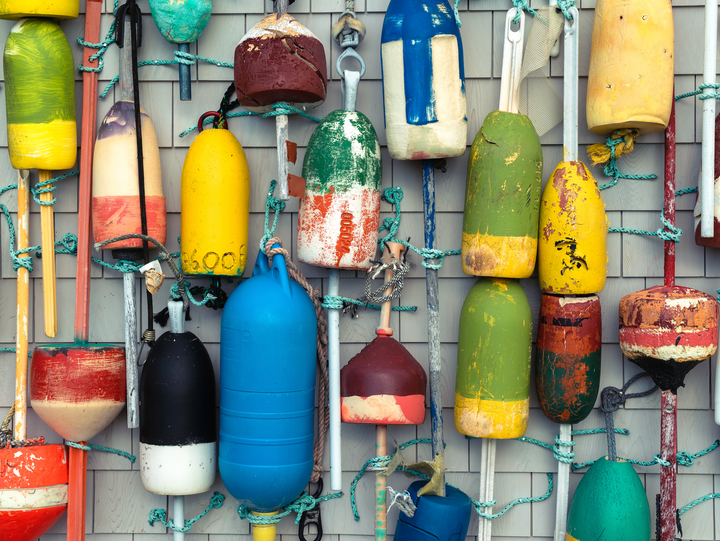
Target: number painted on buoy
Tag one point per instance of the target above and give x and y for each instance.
(346, 233)
(212, 261)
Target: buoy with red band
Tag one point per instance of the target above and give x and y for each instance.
(423, 81)
(215, 205)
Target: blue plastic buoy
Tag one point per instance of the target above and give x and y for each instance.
(268, 346)
(436, 518)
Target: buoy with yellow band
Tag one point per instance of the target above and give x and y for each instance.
(215, 204)
(55, 9)
(492, 389)
(504, 180)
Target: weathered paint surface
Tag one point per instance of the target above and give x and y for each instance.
(116, 189)
(178, 469)
(492, 389)
(714, 241)
(340, 212)
(280, 60)
(572, 249)
(181, 21)
(610, 504)
(77, 390)
(215, 199)
(55, 9)
(33, 490)
(423, 81)
(567, 369)
(383, 384)
(631, 66)
(502, 198)
(40, 96)
(669, 323)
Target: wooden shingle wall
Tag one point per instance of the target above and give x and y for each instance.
(117, 504)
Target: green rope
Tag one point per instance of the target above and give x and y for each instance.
(277, 205)
(43, 187)
(522, 5)
(692, 504)
(564, 6)
(90, 447)
(338, 302)
(670, 232)
(304, 502)
(478, 505)
(102, 47)
(611, 170)
(394, 196)
(160, 515)
(458, 22)
(280, 108)
(12, 350)
(703, 86)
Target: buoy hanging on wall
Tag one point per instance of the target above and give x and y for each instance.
(215, 205)
(567, 366)
(631, 66)
(116, 192)
(54, 9)
(267, 407)
(423, 81)
(177, 413)
(340, 212)
(492, 388)
(609, 504)
(714, 241)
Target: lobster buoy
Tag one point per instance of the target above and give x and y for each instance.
(77, 390)
(630, 83)
(267, 388)
(502, 198)
(33, 490)
(492, 388)
(215, 205)
(567, 367)
(280, 60)
(436, 518)
(340, 212)
(423, 81)
(54, 9)
(572, 252)
(116, 190)
(714, 241)
(40, 96)
(609, 504)
(667, 330)
(177, 413)
(181, 21)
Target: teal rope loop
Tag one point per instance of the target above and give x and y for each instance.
(43, 187)
(175, 294)
(90, 447)
(277, 109)
(160, 515)
(12, 350)
(275, 204)
(669, 232)
(522, 5)
(337, 302)
(102, 47)
(701, 87)
(479, 505)
(692, 504)
(564, 6)
(304, 502)
(18, 262)
(611, 170)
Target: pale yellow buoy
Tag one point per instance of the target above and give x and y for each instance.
(55, 9)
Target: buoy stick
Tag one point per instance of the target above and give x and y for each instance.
(707, 219)
(281, 132)
(512, 62)
(380, 485)
(570, 153)
(178, 516)
(334, 385)
(47, 227)
(23, 304)
(184, 75)
(487, 485)
(433, 317)
(77, 462)
(668, 401)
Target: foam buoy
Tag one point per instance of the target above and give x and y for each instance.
(436, 518)
(492, 388)
(116, 191)
(567, 362)
(40, 96)
(340, 212)
(267, 389)
(572, 250)
(423, 81)
(279, 59)
(631, 66)
(215, 205)
(609, 504)
(54, 9)
(177, 413)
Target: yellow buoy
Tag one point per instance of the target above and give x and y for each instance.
(631, 66)
(572, 247)
(55, 9)
(215, 205)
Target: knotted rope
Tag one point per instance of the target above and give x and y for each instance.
(160, 515)
(6, 435)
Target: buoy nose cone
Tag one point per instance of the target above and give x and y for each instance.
(264, 532)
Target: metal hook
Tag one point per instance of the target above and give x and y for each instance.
(349, 52)
(312, 516)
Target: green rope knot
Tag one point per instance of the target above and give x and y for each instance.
(564, 6)
(44, 187)
(518, 501)
(160, 515)
(275, 204)
(709, 95)
(90, 447)
(522, 5)
(567, 457)
(338, 302)
(304, 502)
(176, 295)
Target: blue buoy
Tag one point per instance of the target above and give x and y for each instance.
(436, 518)
(268, 346)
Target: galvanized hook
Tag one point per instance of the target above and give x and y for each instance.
(349, 52)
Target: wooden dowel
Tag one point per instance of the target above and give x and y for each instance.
(396, 249)
(47, 225)
(23, 306)
(380, 485)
